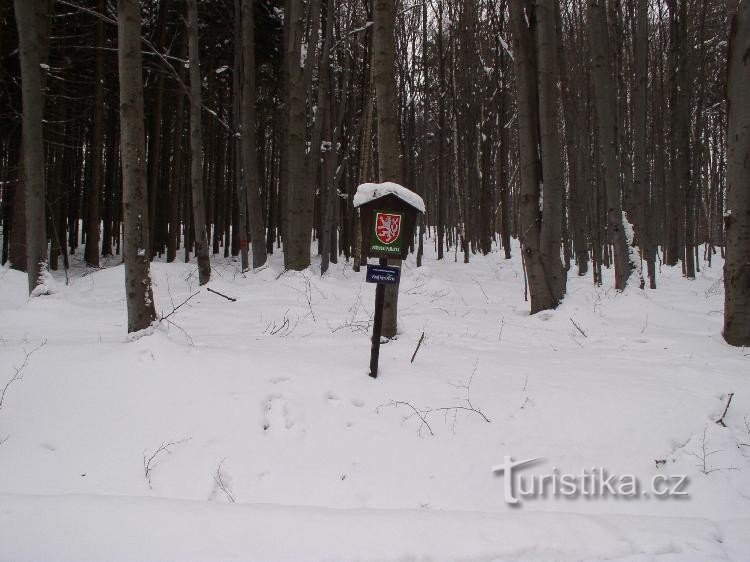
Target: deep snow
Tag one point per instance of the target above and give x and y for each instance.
(267, 403)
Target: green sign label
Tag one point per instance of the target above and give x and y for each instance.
(386, 234)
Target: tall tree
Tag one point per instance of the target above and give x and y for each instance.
(737, 264)
(389, 154)
(640, 141)
(299, 201)
(33, 143)
(249, 139)
(606, 112)
(196, 148)
(544, 294)
(549, 144)
(138, 290)
(93, 216)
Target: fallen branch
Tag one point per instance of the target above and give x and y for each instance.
(579, 328)
(720, 421)
(210, 290)
(421, 339)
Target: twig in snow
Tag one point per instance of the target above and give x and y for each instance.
(223, 486)
(176, 308)
(579, 328)
(422, 415)
(180, 328)
(720, 421)
(703, 455)
(149, 462)
(419, 343)
(210, 290)
(18, 375)
(747, 426)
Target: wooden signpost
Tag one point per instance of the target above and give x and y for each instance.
(388, 213)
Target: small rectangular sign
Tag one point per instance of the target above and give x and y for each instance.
(383, 274)
(386, 236)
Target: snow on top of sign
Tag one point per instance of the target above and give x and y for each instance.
(370, 191)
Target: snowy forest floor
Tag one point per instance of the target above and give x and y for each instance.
(250, 430)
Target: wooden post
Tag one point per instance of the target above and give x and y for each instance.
(377, 325)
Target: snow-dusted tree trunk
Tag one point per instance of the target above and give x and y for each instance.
(389, 153)
(33, 143)
(606, 111)
(540, 291)
(196, 148)
(737, 264)
(640, 132)
(139, 294)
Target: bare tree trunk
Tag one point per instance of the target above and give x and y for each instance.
(93, 215)
(140, 299)
(604, 97)
(737, 264)
(249, 140)
(542, 295)
(549, 141)
(299, 201)
(239, 226)
(640, 159)
(33, 143)
(389, 154)
(196, 148)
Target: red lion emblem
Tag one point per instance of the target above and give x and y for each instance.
(387, 227)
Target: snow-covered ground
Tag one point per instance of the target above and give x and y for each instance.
(250, 430)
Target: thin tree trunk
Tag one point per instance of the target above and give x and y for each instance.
(604, 97)
(249, 140)
(140, 299)
(196, 148)
(389, 157)
(93, 218)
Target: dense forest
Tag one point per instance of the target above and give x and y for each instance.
(600, 133)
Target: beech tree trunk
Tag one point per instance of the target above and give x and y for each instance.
(737, 262)
(32, 143)
(140, 299)
(541, 293)
(549, 141)
(196, 148)
(640, 129)
(606, 111)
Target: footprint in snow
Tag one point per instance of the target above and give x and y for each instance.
(277, 413)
